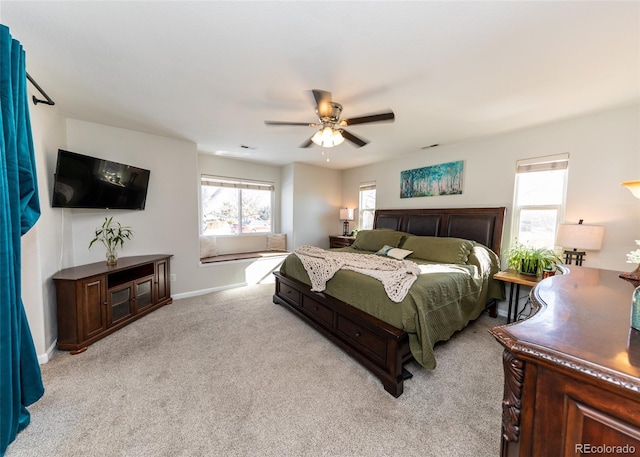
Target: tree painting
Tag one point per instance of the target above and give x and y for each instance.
(442, 179)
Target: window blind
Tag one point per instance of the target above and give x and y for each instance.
(546, 163)
(216, 181)
(368, 185)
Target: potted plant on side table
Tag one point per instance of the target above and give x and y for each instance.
(531, 261)
(111, 234)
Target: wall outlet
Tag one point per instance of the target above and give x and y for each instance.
(172, 277)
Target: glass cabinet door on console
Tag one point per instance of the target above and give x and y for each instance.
(130, 298)
(143, 293)
(120, 301)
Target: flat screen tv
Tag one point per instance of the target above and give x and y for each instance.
(87, 182)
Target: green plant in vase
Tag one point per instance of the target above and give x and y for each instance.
(111, 234)
(531, 261)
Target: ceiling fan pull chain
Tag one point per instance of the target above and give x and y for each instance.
(326, 156)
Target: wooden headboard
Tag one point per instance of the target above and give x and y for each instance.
(483, 225)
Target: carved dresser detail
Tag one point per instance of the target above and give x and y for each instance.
(572, 369)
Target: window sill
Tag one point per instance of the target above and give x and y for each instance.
(243, 256)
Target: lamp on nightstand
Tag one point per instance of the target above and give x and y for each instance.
(580, 236)
(346, 215)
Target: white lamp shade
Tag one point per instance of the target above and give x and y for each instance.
(346, 214)
(327, 137)
(580, 236)
(634, 187)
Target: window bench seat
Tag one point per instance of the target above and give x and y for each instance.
(243, 255)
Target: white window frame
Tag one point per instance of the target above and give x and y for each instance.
(238, 183)
(371, 185)
(539, 164)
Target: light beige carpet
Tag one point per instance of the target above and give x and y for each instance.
(232, 374)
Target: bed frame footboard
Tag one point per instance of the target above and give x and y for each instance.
(380, 347)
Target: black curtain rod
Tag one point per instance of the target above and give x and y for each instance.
(48, 100)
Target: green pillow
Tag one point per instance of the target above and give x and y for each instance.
(374, 240)
(437, 249)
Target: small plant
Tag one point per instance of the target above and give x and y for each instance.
(633, 276)
(531, 261)
(634, 256)
(111, 234)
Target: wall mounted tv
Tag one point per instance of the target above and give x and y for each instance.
(87, 182)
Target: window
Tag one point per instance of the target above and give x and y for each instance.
(234, 207)
(367, 206)
(539, 199)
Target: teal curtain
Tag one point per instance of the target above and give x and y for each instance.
(20, 378)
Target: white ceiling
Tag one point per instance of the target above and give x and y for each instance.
(213, 72)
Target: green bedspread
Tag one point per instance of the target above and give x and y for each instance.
(443, 299)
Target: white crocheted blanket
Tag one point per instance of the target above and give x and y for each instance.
(396, 276)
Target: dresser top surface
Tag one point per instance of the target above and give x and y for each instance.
(98, 268)
(583, 322)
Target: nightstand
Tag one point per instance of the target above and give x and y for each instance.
(515, 279)
(341, 241)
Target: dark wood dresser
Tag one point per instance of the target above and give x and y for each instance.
(572, 369)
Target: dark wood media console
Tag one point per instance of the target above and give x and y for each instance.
(95, 300)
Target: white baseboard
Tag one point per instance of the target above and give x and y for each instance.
(44, 358)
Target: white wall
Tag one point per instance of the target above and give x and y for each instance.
(169, 222)
(317, 198)
(286, 205)
(41, 254)
(604, 150)
(311, 202)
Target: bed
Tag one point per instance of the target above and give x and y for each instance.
(457, 251)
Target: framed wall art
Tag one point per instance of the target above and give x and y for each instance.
(442, 179)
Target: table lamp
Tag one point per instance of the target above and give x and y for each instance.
(346, 215)
(579, 236)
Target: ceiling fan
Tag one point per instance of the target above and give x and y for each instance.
(331, 131)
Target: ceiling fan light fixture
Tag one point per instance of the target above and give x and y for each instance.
(331, 133)
(337, 137)
(327, 137)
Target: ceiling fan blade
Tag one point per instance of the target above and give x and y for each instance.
(323, 102)
(380, 117)
(306, 144)
(359, 142)
(308, 124)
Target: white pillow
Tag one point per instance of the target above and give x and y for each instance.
(208, 246)
(277, 242)
(392, 252)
